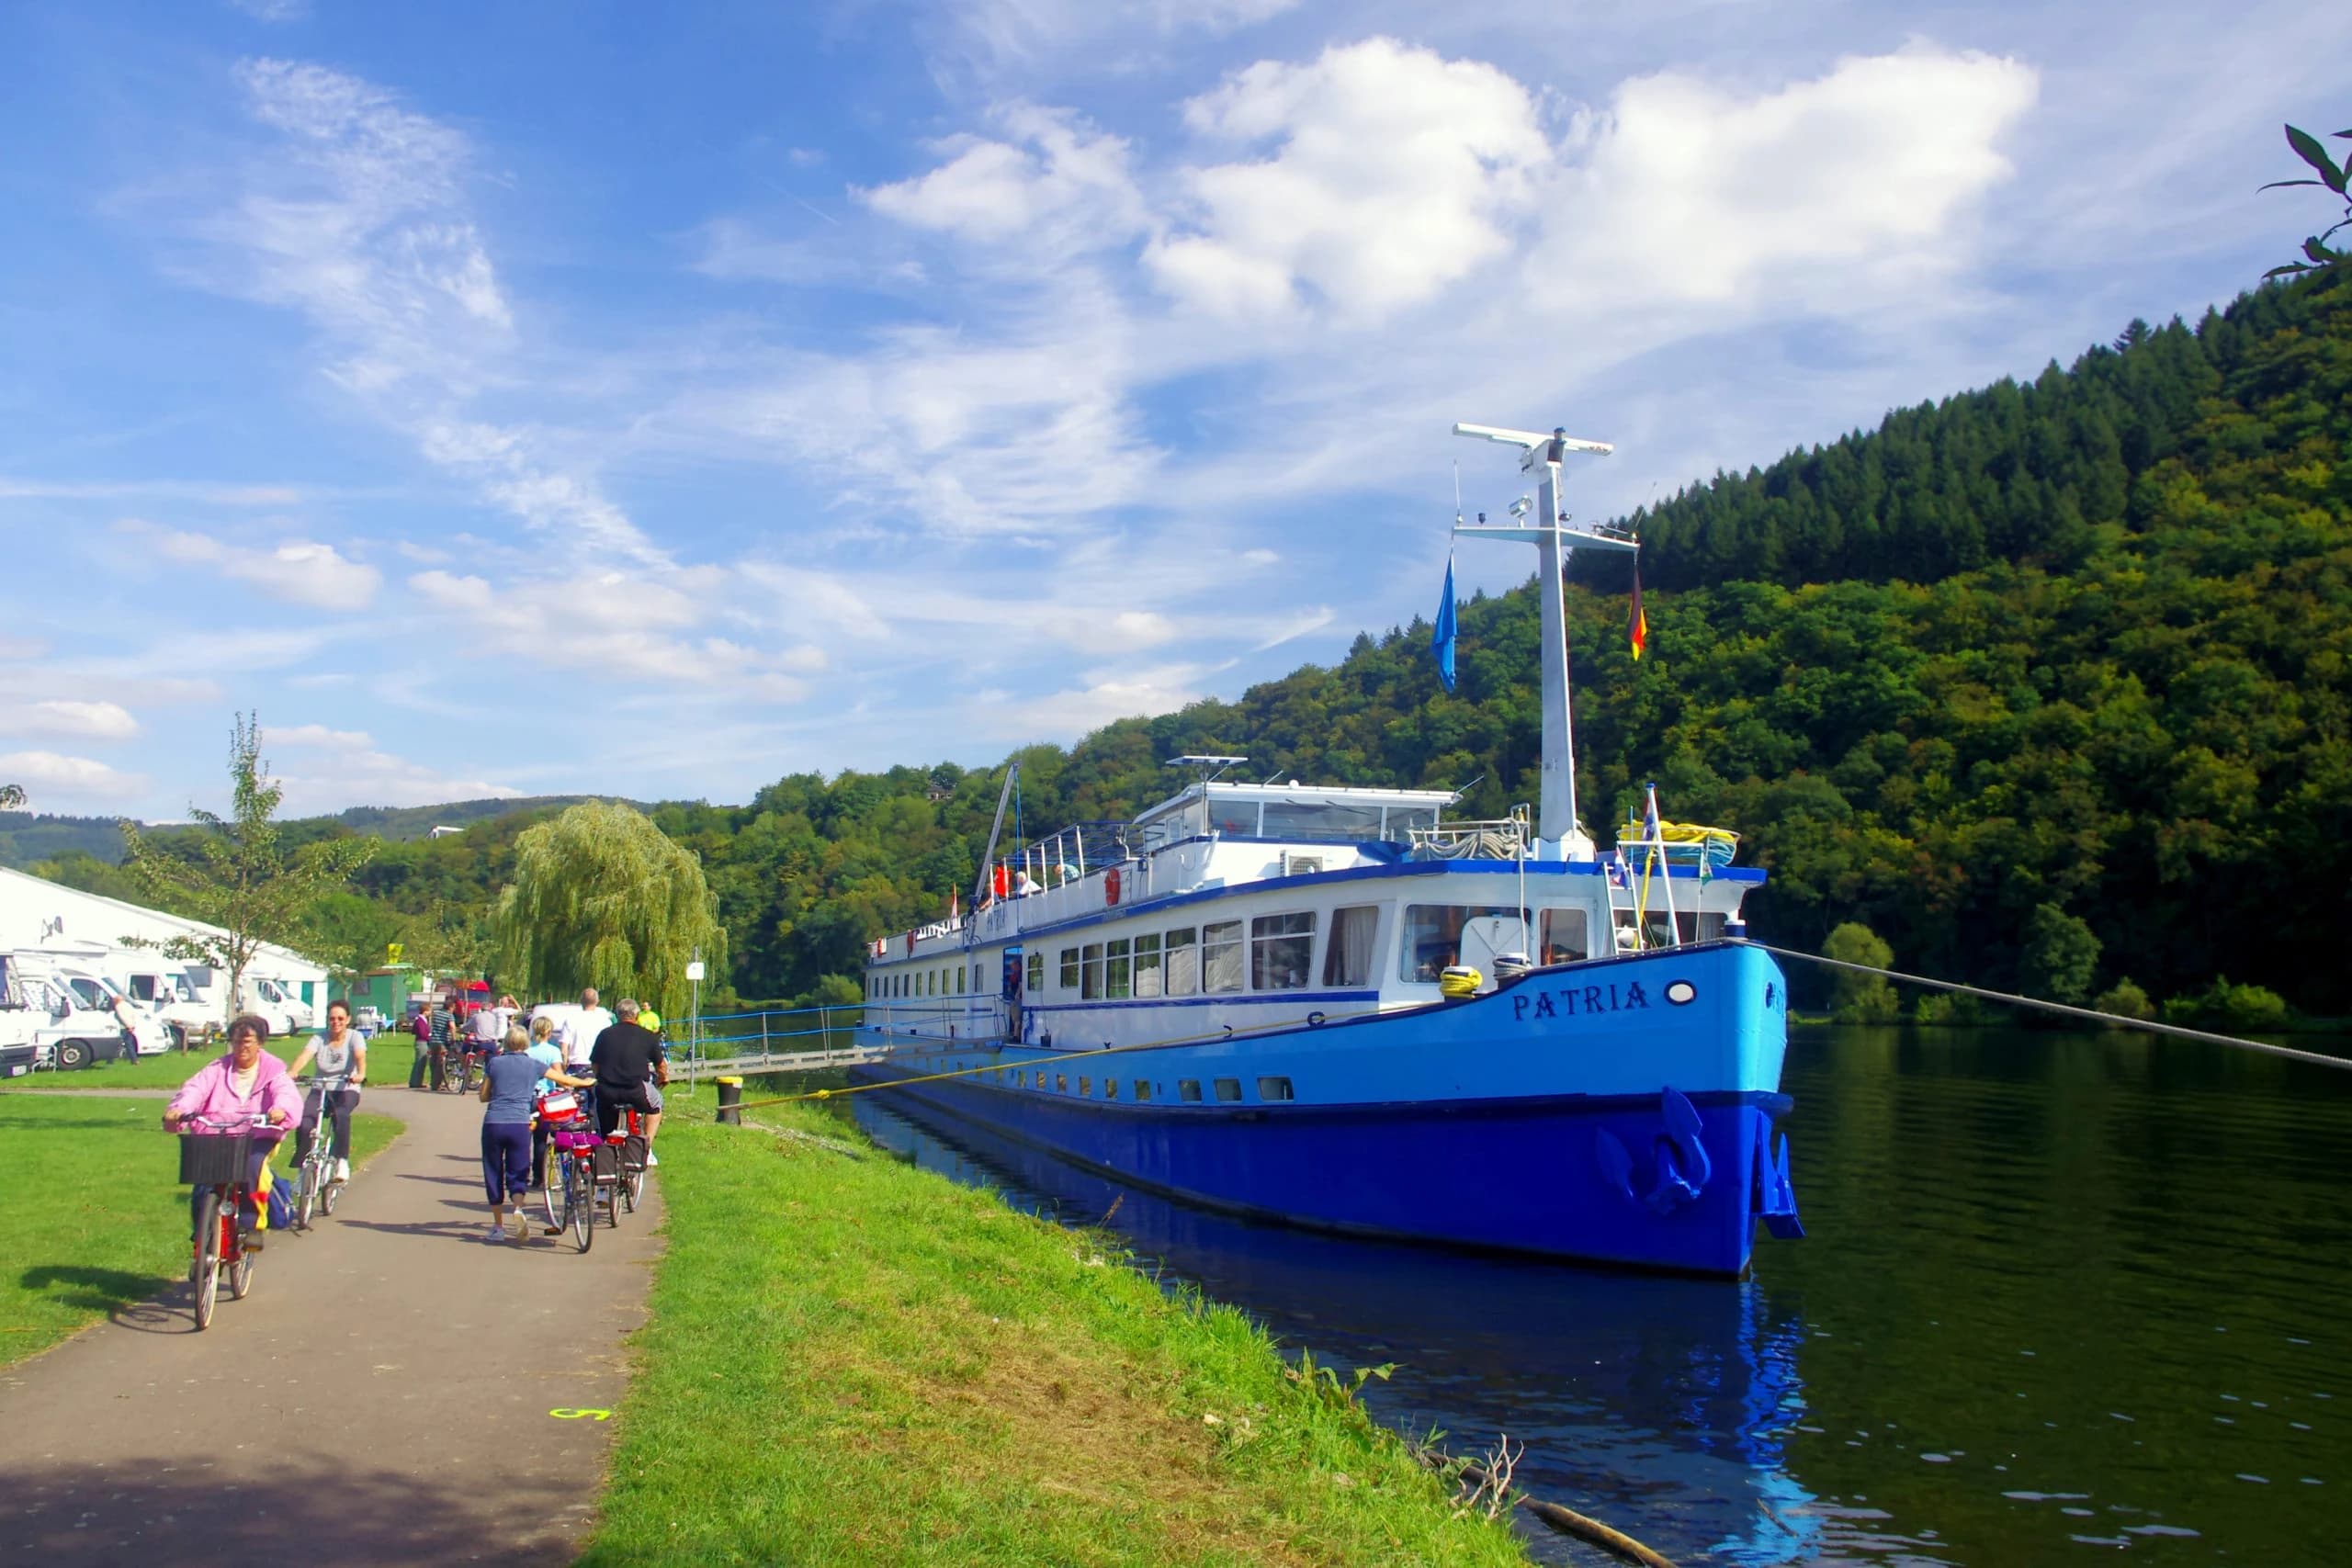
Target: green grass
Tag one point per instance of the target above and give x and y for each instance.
(853, 1361)
(173, 1068)
(101, 1221)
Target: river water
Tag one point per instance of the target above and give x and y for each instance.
(2063, 1296)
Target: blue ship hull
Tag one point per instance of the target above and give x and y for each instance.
(1501, 1124)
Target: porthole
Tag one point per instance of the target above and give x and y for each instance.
(1143, 1088)
(1273, 1089)
(1061, 1083)
(1086, 1087)
(1228, 1090)
(1189, 1090)
(1681, 993)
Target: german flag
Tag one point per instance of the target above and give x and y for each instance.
(1637, 628)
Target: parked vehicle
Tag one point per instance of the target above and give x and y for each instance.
(19, 1047)
(171, 996)
(81, 1017)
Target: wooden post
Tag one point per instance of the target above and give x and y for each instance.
(730, 1101)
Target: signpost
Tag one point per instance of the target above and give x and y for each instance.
(695, 972)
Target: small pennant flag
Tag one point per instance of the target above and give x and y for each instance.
(1441, 639)
(1638, 628)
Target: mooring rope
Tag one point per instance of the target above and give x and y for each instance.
(2112, 1019)
(1311, 1020)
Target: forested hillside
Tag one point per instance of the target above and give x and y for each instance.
(2078, 645)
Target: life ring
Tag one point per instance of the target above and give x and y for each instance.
(1111, 886)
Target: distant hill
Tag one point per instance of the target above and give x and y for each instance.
(401, 823)
(27, 838)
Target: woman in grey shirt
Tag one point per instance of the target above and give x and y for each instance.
(340, 1057)
(508, 1086)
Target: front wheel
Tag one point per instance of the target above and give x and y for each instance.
(73, 1054)
(203, 1271)
(308, 1199)
(328, 1195)
(240, 1275)
(578, 1205)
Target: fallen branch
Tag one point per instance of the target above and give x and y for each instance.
(1567, 1521)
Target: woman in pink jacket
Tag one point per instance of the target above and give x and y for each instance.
(248, 1081)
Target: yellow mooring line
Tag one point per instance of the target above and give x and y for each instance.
(1312, 1021)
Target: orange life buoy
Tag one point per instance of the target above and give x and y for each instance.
(1111, 886)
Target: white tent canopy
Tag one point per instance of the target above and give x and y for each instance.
(40, 915)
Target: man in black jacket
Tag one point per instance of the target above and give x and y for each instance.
(625, 1059)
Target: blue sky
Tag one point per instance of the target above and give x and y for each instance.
(556, 396)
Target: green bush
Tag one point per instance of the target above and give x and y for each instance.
(1949, 1008)
(1861, 999)
(2125, 1000)
(2224, 1006)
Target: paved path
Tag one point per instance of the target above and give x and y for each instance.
(382, 1397)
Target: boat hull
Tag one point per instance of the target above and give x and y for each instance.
(1579, 1164)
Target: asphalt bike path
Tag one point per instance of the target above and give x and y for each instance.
(394, 1390)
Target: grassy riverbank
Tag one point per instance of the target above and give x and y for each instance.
(99, 1220)
(852, 1361)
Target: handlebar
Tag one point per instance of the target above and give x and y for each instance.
(237, 1124)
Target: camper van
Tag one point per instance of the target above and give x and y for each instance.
(88, 1019)
(167, 993)
(19, 1042)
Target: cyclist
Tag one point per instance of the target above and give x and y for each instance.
(626, 1057)
(247, 1081)
(552, 1076)
(341, 1057)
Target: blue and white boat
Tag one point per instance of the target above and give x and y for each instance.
(1339, 1008)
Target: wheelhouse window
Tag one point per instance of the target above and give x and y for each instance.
(1118, 972)
(1089, 970)
(1147, 973)
(1564, 939)
(1326, 821)
(1234, 817)
(1070, 969)
(1433, 936)
(1183, 954)
(1281, 947)
(1221, 956)
(1348, 960)
(1403, 819)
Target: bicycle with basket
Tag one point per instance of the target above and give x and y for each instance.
(214, 1158)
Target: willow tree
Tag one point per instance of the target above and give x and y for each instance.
(603, 897)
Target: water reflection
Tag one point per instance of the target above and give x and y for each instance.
(2060, 1291)
(1654, 1403)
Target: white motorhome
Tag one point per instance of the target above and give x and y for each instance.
(88, 1018)
(19, 1025)
(165, 991)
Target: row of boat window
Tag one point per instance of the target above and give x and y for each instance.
(1227, 1091)
(1276, 952)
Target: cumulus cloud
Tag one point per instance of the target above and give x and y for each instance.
(301, 571)
(636, 628)
(339, 768)
(1394, 172)
(1689, 191)
(61, 716)
(57, 783)
(1055, 178)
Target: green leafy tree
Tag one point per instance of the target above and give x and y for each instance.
(602, 898)
(11, 797)
(234, 872)
(1861, 999)
(2125, 999)
(2060, 958)
(2317, 252)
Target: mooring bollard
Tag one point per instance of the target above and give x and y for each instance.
(730, 1101)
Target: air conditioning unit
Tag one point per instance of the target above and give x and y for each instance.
(1301, 865)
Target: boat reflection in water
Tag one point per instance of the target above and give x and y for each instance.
(1653, 1402)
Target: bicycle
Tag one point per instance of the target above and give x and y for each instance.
(633, 1148)
(216, 1159)
(571, 1148)
(462, 1072)
(319, 1190)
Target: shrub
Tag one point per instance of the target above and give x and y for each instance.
(2224, 1006)
(2125, 999)
(1861, 999)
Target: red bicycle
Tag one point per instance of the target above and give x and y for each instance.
(215, 1160)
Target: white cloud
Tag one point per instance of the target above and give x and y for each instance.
(345, 768)
(1395, 173)
(1689, 192)
(301, 571)
(1058, 181)
(63, 716)
(14, 647)
(1067, 715)
(273, 10)
(633, 627)
(61, 783)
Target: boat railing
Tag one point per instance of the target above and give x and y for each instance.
(1503, 839)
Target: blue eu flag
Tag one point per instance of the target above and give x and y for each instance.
(1442, 640)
